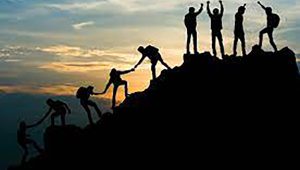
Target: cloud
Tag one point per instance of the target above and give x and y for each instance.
(81, 25)
(120, 5)
(78, 55)
(76, 5)
(76, 66)
(74, 51)
(57, 90)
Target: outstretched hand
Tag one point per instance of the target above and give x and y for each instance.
(259, 2)
(208, 2)
(221, 1)
(201, 5)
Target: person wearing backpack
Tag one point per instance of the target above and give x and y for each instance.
(153, 54)
(116, 80)
(84, 93)
(272, 23)
(190, 22)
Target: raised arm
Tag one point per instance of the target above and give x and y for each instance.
(200, 10)
(127, 71)
(261, 5)
(208, 9)
(140, 62)
(107, 87)
(222, 8)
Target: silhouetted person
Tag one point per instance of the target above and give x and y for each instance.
(116, 80)
(84, 94)
(216, 27)
(272, 22)
(24, 140)
(153, 54)
(56, 108)
(190, 22)
(239, 33)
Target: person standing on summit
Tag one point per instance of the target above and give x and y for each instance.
(272, 23)
(239, 33)
(153, 54)
(216, 27)
(190, 22)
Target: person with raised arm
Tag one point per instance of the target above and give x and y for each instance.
(24, 140)
(216, 27)
(272, 23)
(190, 22)
(239, 33)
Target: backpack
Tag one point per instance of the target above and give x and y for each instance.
(275, 20)
(81, 92)
(152, 50)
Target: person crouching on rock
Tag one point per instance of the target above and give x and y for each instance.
(116, 80)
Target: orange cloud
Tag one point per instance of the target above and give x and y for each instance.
(76, 66)
(58, 90)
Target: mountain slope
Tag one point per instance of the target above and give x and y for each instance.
(207, 109)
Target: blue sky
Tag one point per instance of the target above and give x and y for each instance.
(57, 42)
(49, 48)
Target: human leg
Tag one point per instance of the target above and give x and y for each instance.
(88, 111)
(270, 34)
(261, 35)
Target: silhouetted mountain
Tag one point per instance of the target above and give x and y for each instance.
(219, 112)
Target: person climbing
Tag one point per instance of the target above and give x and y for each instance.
(153, 54)
(239, 33)
(24, 140)
(116, 80)
(216, 27)
(60, 109)
(190, 22)
(84, 93)
(272, 23)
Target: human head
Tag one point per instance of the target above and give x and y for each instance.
(141, 49)
(268, 10)
(90, 88)
(241, 9)
(113, 71)
(216, 11)
(192, 10)
(50, 102)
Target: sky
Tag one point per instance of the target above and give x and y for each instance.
(50, 48)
